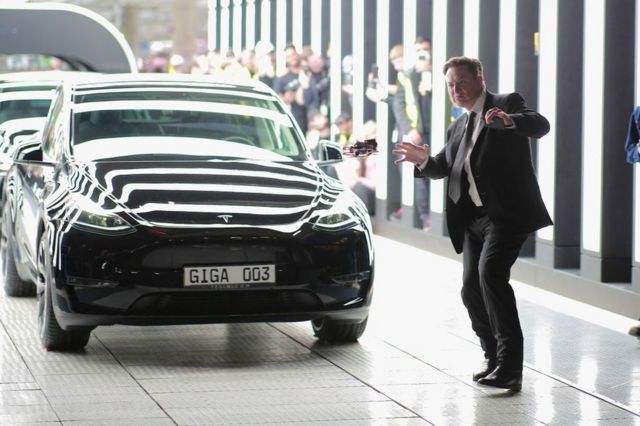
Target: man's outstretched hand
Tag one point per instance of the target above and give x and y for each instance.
(416, 154)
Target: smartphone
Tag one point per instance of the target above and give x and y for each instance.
(373, 83)
(497, 123)
(374, 71)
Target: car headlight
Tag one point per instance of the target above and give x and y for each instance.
(91, 218)
(339, 217)
(336, 222)
(102, 222)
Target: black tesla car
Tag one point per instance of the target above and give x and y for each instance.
(159, 200)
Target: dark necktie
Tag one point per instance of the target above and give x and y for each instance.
(455, 179)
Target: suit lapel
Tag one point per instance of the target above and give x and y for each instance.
(458, 133)
(488, 104)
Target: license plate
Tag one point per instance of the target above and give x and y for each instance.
(237, 275)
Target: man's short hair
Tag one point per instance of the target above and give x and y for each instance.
(343, 118)
(422, 40)
(473, 65)
(396, 52)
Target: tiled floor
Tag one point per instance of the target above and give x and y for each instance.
(412, 367)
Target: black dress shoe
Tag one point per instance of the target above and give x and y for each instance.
(487, 366)
(503, 378)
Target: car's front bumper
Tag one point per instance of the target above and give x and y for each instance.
(138, 278)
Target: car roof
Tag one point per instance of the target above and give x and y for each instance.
(52, 75)
(42, 80)
(117, 81)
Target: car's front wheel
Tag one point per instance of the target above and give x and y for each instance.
(14, 286)
(52, 336)
(335, 331)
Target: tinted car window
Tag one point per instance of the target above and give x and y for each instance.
(23, 108)
(177, 129)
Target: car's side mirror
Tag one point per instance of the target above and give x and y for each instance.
(329, 152)
(28, 151)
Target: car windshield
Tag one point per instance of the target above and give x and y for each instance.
(135, 126)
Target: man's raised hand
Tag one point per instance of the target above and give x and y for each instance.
(416, 154)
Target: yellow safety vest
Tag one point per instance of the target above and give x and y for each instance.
(344, 139)
(411, 109)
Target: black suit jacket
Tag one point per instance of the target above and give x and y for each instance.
(502, 168)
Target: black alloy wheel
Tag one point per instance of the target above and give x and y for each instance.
(52, 336)
(333, 331)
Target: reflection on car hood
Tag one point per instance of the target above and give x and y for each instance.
(209, 194)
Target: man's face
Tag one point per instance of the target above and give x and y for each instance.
(345, 127)
(398, 63)
(248, 59)
(464, 87)
(423, 61)
(318, 121)
(288, 97)
(292, 59)
(316, 64)
(425, 45)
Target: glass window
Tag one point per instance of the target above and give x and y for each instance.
(23, 108)
(176, 129)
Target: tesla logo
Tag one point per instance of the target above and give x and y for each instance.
(225, 217)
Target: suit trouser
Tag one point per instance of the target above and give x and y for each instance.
(421, 192)
(489, 251)
(421, 189)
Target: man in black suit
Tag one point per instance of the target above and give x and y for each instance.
(493, 203)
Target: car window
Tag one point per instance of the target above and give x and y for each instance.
(23, 108)
(238, 127)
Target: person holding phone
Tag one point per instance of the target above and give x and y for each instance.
(493, 203)
(317, 85)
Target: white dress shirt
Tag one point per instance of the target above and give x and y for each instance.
(473, 189)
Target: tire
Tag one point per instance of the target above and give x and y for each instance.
(333, 331)
(52, 336)
(14, 286)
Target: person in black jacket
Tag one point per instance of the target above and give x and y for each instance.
(493, 203)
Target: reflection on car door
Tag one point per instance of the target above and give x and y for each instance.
(29, 187)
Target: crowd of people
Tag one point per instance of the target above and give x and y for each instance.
(410, 102)
(303, 87)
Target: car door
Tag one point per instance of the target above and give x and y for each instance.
(33, 180)
(29, 185)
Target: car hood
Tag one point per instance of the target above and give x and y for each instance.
(209, 194)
